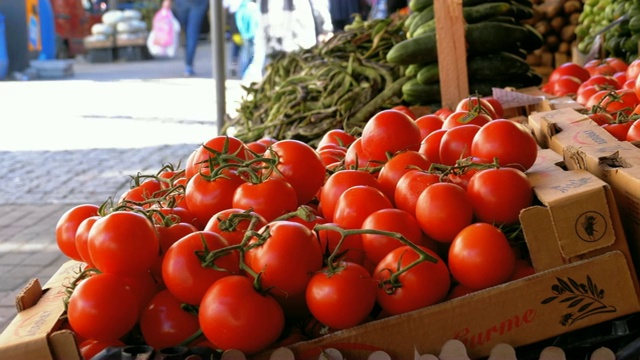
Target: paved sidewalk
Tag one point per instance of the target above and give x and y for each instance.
(79, 139)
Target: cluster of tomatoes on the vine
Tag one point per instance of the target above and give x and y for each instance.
(608, 88)
(253, 245)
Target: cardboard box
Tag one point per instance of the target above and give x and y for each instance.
(573, 288)
(575, 259)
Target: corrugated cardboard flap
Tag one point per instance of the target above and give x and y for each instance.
(29, 295)
(578, 207)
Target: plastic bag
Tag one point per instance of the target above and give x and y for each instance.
(164, 37)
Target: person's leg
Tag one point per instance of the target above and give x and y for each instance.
(197, 12)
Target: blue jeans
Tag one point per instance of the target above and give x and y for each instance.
(191, 14)
(245, 56)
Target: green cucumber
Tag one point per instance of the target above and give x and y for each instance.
(419, 5)
(413, 70)
(471, 14)
(428, 74)
(482, 67)
(482, 38)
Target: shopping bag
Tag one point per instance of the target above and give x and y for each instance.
(164, 37)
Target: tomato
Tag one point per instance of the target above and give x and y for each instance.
(468, 168)
(508, 141)
(270, 198)
(613, 101)
(90, 348)
(331, 156)
(68, 225)
(443, 112)
(144, 287)
(257, 321)
(569, 69)
(459, 290)
(430, 146)
(350, 247)
(619, 129)
(397, 166)
(621, 77)
(256, 147)
(207, 194)
(286, 255)
(405, 109)
(585, 92)
(388, 132)
(633, 134)
(498, 195)
(358, 202)
(456, 143)
(480, 256)
(442, 210)
(422, 285)
(93, 313)
(211, 151)
(168, 235)
(233, 223)
(601, 118)
(164, 323)
(565, 86)
(337, 137)
(123, 242)
(633, 69)
(409, 188)
(337, 183)
(185, 270)
(356, 158)
(522, 269)
(497, 106)
(464, 117)
(636, 88)
(82, 239)
(477, 105)
(599, 67)
(617, 63)
(428, 124)
(343, 298)
(398, 221)
(300, 165)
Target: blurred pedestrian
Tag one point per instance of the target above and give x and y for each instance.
(191, 14)
(342, 12)
(247, 19)
(286, 26)
(232, 33)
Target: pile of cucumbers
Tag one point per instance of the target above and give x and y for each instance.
(497, 46)
(619, 39)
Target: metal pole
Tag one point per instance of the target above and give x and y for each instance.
(218, 59)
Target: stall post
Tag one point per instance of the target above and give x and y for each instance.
(217, 48)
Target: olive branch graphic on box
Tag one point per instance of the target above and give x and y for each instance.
(582, 299)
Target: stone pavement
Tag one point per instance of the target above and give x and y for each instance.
(79, 139)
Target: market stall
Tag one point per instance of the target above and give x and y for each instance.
(390, 193)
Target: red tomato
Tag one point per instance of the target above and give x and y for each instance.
(498, 195)
(358, 202)
(430, 146)
(330, 156)
(405, 109)
(442, 210)
(232, 224)
(585, 92)
(569, 69)
(428, 124)
(187, 273)
(565, 85)
(619, 129)
(480, 256)
(350, 247)
(68, 225)
(336, 137)
(508, 141)
(164, 323)
(82, 239)
(257, 321)
(414, 293)
(522, 269)
(633, 134)
(409, 188)
(467, 170)
(477, 105)
(617, 63)
(397, 166)
(209, 154)
(601, 118)
(497, 106)
(93, 313)
(300, 165)
(464, 117)
(633, 69)
(443, 112)
(144, 287)
(458, 290)
(621, 77)
(356, 158)
(456, 143)
(286, 259)
(388, 132)
(270, 198)
(377, 246)
(337, 183)
(123, 242)
(343, 298)
(90, 348)
(206, 195)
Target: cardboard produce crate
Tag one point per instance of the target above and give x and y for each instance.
(575, 257)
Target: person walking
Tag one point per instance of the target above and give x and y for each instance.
(247, 19)
(342, 12)
(191, 14)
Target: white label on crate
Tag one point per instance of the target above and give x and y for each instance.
(512, 98)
